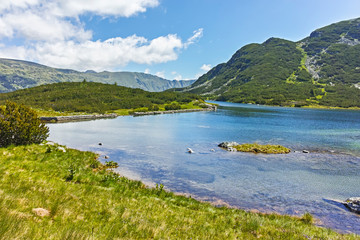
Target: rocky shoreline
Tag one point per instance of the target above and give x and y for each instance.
(209, 108)
(75, 118)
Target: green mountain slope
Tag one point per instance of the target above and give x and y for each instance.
(92, 97)
(322, 69)
(17, 74)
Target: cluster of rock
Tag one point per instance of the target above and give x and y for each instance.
(229, 146)
(353, 204)
(77, 118)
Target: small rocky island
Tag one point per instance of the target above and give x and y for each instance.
(254, 148)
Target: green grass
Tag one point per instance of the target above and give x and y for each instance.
(258, 148)
(88, 201)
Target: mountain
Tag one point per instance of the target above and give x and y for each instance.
(17, 74)
(322, 69)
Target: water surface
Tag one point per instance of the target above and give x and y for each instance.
(153, 149)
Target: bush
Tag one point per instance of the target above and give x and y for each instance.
(307, 218)
(19, 125)
(111, 164)
(172, 106)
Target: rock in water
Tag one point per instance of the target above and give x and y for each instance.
(189, 150)
(228, 144)
(353, 204)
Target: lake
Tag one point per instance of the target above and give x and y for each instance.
(153, 149)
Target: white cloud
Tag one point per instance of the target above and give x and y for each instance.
(197, 34)
(10, 4)
(160, 74)
(205, 67)
(74, 8)
(123, 8)
(99, 55)
(176, 76)
(198, 75)
(51, 32)
(37, 27)
(147, 71)
(48, 20)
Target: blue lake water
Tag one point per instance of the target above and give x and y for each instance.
(153, 149)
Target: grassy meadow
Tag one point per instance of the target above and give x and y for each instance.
(79, 198)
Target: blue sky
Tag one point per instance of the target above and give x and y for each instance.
(169, 38)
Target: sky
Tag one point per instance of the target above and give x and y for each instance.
(173, 39)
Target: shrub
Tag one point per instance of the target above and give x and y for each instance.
(111, 164)
(307, 218)
(19, 125)
(172, 106)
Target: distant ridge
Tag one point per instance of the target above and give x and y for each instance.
(18, 74)
(322, 69)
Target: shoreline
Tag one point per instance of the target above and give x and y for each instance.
(321, 107)
(218, 202)
(210, 108)
(77, 118)
(122, 200)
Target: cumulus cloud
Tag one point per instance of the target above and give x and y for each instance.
(205, 67)
(160, 74)
(98, 55)
(51, 32)
(122, 8)
(35, 27)
(176, 76)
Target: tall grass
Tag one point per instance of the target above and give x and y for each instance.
(88, 201)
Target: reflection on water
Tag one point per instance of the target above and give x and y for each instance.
(153, 149)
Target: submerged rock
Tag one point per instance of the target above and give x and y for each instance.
(353, 204)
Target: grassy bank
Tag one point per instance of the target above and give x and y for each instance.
(85, 200)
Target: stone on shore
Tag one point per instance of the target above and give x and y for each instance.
(353, 204)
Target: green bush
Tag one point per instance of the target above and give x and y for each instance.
(19, 125)
(111, 164)
(172, 106)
